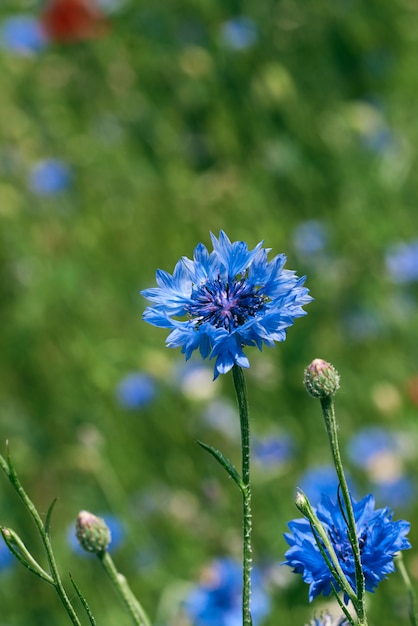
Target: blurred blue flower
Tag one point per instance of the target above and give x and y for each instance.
(325, 619)
(319, 481)
(399, 492)
(49, 177)
(136, 390)
(310, 238)
(379, 139)
(368, 443)
(239, 33)
(117, 532)
(273, 450)
(380, 452)
(379, 539)
(216, 601)
(22, 34)
(362, 324)
(230, 298)
(402, 262)
(6, 557)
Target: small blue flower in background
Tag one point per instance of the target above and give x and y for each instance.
(310, 238)
(216, 601)
(136, 390)
(380, 452)
(325, 619)
(379, 539)
(22, 35)
(49, 177)
(361, 324)
(117, 533)
(369, 443)
(379, 140)
(239, 33)
(402, 262)
(399, 492)
(6, 557)
(273, 450)
(228, 299)
(320, 480)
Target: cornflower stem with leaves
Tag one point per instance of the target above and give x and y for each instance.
(327, 405)
(244, 484)
(242, 399)
(17, 547)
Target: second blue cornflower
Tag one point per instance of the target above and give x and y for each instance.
(379, 540)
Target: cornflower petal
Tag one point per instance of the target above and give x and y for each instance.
(222, 301)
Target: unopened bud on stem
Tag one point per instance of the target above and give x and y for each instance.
(92, 532)
(301, 502)
(321, 379)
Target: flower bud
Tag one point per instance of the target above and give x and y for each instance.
(301, 502)
(321, 379)
(92, 532)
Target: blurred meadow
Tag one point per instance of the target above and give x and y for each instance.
(123, 143)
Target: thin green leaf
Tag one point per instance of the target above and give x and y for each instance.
(4, 466)
(226, 464)
(83, 602)
(48, 515)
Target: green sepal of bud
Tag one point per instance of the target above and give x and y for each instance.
(92, 532)
(321, 379)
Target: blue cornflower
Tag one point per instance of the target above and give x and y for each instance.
(310, 238)
(402, 262)
(239, 33)
(320, 480)
(273, 450)
(228, 299)
(136, 390)
(379, 540)
(216, 601)
(370, 443)
(49, 177)
(22, 34)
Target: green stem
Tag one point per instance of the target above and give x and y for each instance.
(327, 405)
(413, 608)
(242, 399)
(138, 614)
(12, 476)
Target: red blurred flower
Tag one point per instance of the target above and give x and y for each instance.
(73, 20)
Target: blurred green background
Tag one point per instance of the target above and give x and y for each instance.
(290, 122)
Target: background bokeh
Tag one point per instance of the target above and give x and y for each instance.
(124, 140)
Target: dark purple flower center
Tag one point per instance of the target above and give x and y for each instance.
(342, 544)
(225, 304)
